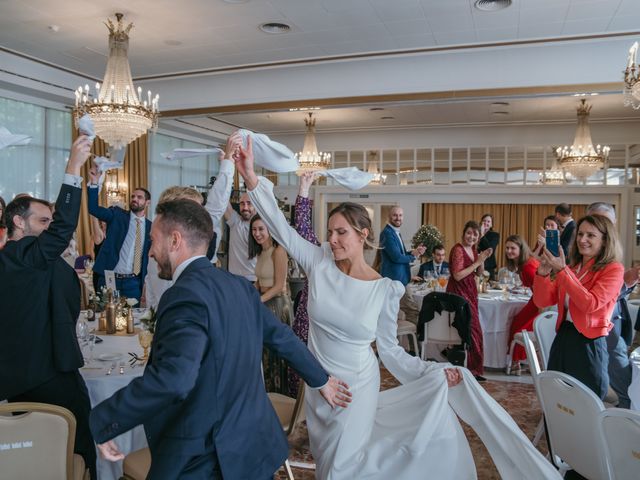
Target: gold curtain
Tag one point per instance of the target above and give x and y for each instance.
(508, 219)
(134, 174)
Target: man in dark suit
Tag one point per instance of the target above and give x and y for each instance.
(395, 259)
(40, 302)
(202, 398)
(568, 226)
(437, 265)
(125, 249)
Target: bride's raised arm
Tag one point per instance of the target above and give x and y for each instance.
(261, 193)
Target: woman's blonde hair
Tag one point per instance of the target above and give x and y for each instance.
(611, 249)
(181, 193)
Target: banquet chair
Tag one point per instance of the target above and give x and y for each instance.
(621, 431)
(441, 332)
(572, 413)
(290, 412)
(408, 329)
(544, 326)
(136, 465)
(534, 368)
(40, 438)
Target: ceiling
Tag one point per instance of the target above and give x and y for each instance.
(534, 109)
(171, 37)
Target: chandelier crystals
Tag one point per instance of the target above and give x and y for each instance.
(372, 167)
(631, 90)
(309, 158)
(582, 159)
(120, 113)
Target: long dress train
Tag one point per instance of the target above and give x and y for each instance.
(407, 432)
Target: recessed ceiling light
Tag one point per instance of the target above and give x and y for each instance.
(492, 5)
(387, 118)
(376, 109)
(54, 28)
(173, 43)
(500, 112)
(275, 28)
(500, 104)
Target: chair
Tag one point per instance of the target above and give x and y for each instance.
(290, 411)
(517, 340)
(544, 326)
(38, 441)
(534, 368)
(621, 430)
(572, 413)
(136, 465)
(406, 328)
(440, 331)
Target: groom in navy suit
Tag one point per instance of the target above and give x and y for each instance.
(395, 259)
(202, 398)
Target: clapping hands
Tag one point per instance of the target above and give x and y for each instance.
(418, 251)
(483, 255)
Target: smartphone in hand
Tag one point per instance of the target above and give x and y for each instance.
(552, 242)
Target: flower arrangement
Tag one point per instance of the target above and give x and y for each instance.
(149, 320)
(429, 236)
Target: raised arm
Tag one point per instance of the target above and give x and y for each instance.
(54, 241)
(93, 189)
(218, 197)
(261, 194)
(302, 221)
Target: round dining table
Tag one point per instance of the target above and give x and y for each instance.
(496, 313)
(105, 374)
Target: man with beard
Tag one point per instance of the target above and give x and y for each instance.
(202, 398)
(395, 258)
(40, 302)
(125, 249)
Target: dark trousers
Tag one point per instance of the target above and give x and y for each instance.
(68, 390)
(128, 287)
(585, 359)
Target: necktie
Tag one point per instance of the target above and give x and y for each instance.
(137, 250)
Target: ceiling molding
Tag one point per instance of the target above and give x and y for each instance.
(397, 98)
(386, 53)
(48, 64)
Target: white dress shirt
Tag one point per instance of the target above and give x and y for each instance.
(239, 262)
(125, 262)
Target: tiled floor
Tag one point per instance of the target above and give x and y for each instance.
(515, 394)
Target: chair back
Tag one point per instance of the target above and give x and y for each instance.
(532, 357)
(439, 330)
(290, 411)
(621, 430)
(37, 441)
(572, 413)
(544, 326)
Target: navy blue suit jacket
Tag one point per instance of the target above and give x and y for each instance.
(117, 221)
(395, 259)
(202, 389)
(429, 267)
(567, 236)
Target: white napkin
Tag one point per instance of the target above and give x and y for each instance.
(85, 125)
(180, 153)
(271, 155)
(8, 139)
(349, 177)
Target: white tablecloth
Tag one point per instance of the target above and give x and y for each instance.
(496, 315)
(101, 386)
(634, 388)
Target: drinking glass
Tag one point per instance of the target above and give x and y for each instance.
(145, 338)
(88, 266)
(442, 281)
(92, 343)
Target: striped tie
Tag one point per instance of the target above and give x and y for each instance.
(137, 250)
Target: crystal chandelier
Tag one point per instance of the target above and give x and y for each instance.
(119, 112)
(116, 190)
(554, 176)
(632, 79)
(309, 158)
(582, 159)
(372, 167)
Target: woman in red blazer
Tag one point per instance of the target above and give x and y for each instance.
(519, 260)
(585, 292)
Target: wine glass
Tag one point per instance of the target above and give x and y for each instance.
(145, 337)
(82, 331)
(504, 280)
(92, 343)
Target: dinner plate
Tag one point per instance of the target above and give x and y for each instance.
(110, 357)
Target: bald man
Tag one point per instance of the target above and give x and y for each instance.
(395, 258)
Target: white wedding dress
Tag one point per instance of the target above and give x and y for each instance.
(408, 432)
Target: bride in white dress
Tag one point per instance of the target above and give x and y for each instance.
(407, 432)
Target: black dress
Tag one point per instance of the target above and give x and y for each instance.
(490, 240)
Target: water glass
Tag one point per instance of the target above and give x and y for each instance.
(82, 331)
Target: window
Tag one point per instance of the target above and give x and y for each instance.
(37, 168)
